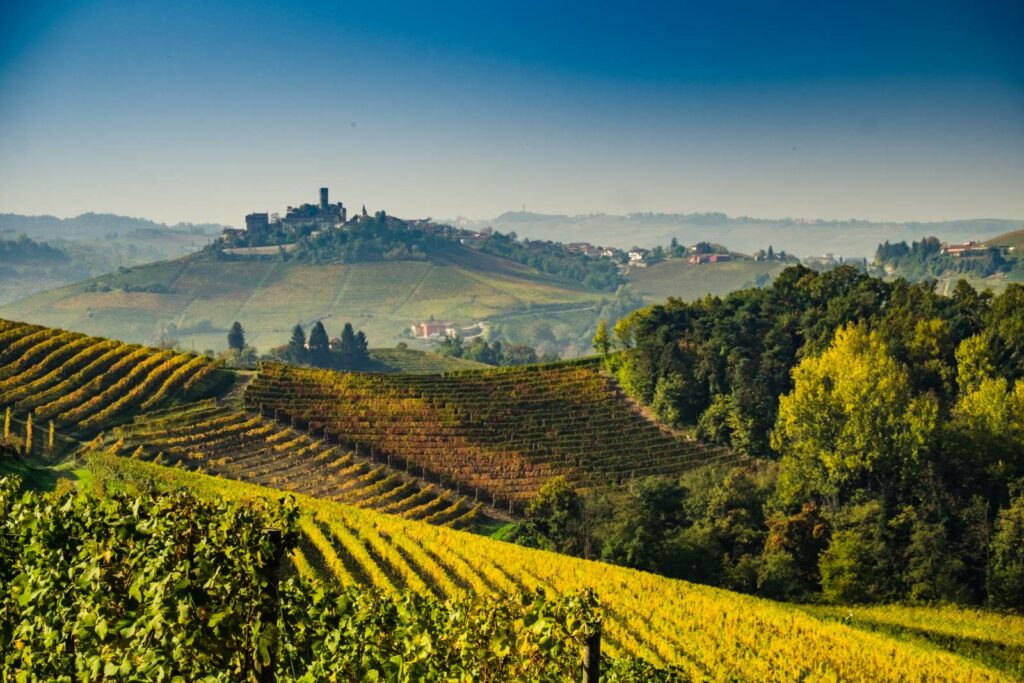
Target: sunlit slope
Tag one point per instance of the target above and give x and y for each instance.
(1013, 239)
(685, 281)
(220, 440)
(500, 433)
(419, 362)
(82, 384)
(713, 634)
(269, 296)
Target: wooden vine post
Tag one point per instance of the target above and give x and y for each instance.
(592, 657)
(28, 435)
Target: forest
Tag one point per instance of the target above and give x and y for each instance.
(884, 426)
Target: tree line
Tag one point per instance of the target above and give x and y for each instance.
(885, 429)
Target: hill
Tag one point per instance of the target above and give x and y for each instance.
(500, 434)
(678, 278)
(84, 247)
(851, 238)
(221, 440)
(201, 297)
(1013, 239)
(709, 633)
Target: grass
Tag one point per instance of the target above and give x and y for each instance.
(682, 280)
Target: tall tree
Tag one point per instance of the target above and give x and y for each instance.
(319, 346)
(602, 343)
(852, 419)
(236, 336)
(297, 345)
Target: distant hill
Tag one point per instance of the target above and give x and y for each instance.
(202, 296)
(680, 279)
(849, 238)
(86, 246)
(94, 225)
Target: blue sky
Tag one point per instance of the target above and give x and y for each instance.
(203, 111)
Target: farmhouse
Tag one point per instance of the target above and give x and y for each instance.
(433, 329)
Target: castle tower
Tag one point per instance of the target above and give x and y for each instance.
(323, 199)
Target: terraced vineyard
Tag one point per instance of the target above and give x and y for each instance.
(420, 362)
(711, 634)
(83, 383)
(502, 433)
(236, 445)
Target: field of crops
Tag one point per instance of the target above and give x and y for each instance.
(233, 444)
(500, 433)
(83, 383)
(417, 362)
(712, 634)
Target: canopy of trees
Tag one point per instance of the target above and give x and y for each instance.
(887, 428)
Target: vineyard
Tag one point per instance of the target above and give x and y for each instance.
(709, 634)
(499, 433)
(83, 383)
(230, 443)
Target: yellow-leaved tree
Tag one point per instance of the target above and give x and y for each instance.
(851, 421)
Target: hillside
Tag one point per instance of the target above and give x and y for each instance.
(500, 434)
(85, 247)
(709, 633)
(678, 278)
(231, 443)
(201, 297)
(1013, 239)
(81, 384)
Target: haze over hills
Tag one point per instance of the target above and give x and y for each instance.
(85, 246)
(802, 237)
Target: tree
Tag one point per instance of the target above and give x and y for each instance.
(319, 346)
(852, 420)
(855, 567)
(297, 346)
(602, 342)
(236, 336)
(553, 517)
(1006, 578)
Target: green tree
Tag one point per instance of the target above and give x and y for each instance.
(236, 336)
(1006, 578)
(553, 518)
(296, 351)
(602, 342)
(852, 419)
(855, 567)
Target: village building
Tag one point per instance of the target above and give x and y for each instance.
(433, 329)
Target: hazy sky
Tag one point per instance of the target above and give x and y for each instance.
(203, 111)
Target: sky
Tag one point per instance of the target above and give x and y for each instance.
(203, 111)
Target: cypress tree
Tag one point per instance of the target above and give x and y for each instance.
(319, 347)
(297, 345)
(236, 336)
(347, 348)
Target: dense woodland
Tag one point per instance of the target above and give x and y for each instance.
(887, 425)
(491, 353)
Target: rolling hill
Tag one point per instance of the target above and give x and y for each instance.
(499, 434)
(1013, 239)
(710, 634)
(202, 296)
(678, 278)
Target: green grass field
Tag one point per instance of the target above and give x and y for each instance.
(269, 296)
(685, 281)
